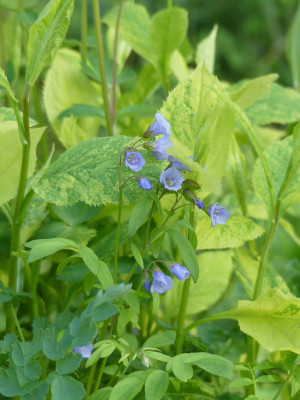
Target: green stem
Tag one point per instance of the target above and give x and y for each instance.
(170, 3)
(84, 31)
(285, 383)
(3, 51)
(97, 19)
(119, 219)
(17, 222)
(94, 366)
(99, 378)
(113, 103)
(14, 315)
(183, 302)
(204, 320)
(40, 119)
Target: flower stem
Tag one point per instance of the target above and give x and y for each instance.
(113, 103)
(119, 219)
(100, 51)
(285, 383)
(84, 31)
(183, 301)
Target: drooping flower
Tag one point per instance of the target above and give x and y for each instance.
(171, 178)
(161, 147)
(145, 184)
(135, 161)
(85, 351)
(199, 203)
(161, 282)
(145, 360)
(178, 164)
(181, 272)
(160, 126)
(218, 214)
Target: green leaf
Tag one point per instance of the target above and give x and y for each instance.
(247, 92)
(206, 50)
(101, 394)
(46, 36)
(68, 364)
(45, 247)
(73, 176)
(272, 320)
(166, 33)
(293, 48)
(65, 387)
(65, 85)
(234, 233)
(155, 302)
(6, 86)
(139, 214)
(236, 174)
(82, 110)
(187, 253)
(105, 350)
(197, 127)
(156, 385)
(278, 156)
(138, 111)
(241, 382)
(182, 371)
(36, 212)
(124, 317)
(83, 330)
(215, 268)
(128, 388)
(97, 267)
(18, 354)
(33, 370)
(161, 339)
(134, 27)
(77, 214)
(137, 255)
(279, 105)
(11, 159)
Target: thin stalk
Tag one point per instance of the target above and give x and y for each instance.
(100, 51)
(113, 103)
(99, 378)
(183, 302)
(3, 51)
(119, 220)
(170, 3)
(17, 322)
(285, 383)
(84, 31)
(94, 366)
(204, 320)
(17, 221)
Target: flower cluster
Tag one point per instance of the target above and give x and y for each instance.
(162, 283)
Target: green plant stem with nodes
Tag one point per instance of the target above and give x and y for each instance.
(285, 383)
(84, 31)
(94, 366)
(113, 102)
(183, 301)
(100, 52)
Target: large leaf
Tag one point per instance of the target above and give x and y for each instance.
(234, 233)
(156, 385)
(64, 387)
(134, 28)
(279, 105)
(46, 36)
(272, 320)
(214, 272)
(11, 158)
(128, 388)
(200, 123)
(89, 172)
(293, 48)
(167, 31)
(66, 85)
(278, 157)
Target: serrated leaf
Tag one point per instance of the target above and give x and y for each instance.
(234, 233)
(279, 105)
(73, 176)
(46, 36)
(11, 158)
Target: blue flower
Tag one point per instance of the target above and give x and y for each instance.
(171, 178)
(199, 203)
(181, 272)
(85, 351)
(161, 147)
(134, 161)
(147, 285)
(178, 164)
(145, 184)
(161, 283)
(160, 127)
(218, 214)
